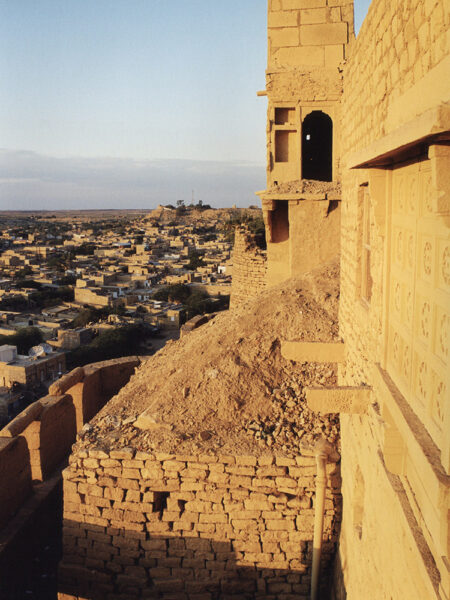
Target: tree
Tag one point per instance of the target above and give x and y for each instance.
(195, 260)
(90, 315)
(23, 273)
(177, 292)
(114, 343)
(24, 339)
(67, 280)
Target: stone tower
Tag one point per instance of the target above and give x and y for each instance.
(307, 45)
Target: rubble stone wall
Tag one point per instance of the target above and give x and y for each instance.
(249, 268)
(191, 527)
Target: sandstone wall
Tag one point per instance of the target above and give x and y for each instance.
(191, 527)
(15, 476)
(36, 443)
(395, 457)
(396, 69)
(249, 268)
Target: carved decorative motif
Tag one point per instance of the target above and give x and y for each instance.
(410, 251)
(418, 317)
(446, 265)
(441, 391)
(443, 334)
(427, 258)
(399, 247)
(425, 320)
(422, 380)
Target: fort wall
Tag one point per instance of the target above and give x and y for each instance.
(157, 525)
(249, 268)
(35, 445)
(394, 303)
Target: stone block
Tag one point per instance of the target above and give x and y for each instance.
(280, 524)
(298, 4)
(321, 35)
(334, 55)
(311, 16)
(313, 351)
(353, 400)
(285, 37)
(282, 19)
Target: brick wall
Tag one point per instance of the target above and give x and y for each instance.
(394, 72)
(249, 268)
(399, 45)
(191, 527)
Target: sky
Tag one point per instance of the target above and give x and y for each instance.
(129, 103)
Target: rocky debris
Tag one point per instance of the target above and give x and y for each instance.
(307, 186)
(225, 386)
(291, 425)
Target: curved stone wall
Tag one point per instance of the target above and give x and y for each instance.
(39, 439)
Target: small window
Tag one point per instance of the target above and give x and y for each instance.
(284, 116)
(366, 275)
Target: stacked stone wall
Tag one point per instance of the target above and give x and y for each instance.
(249, 268)
(389, 72)
(192, 527)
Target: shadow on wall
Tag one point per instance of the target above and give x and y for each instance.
(29, 564)
(33, 449)
(131, 564)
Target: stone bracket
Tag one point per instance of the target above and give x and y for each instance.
(350, 400)
(321, 352)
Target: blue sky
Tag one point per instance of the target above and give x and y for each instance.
(148, 82)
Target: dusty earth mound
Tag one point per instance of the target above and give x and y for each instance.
(225, 386)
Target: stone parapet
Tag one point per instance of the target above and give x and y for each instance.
(39, 439)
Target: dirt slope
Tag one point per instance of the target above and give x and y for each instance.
(225, 386)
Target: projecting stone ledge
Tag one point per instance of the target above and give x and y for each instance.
(313, 351)
(352, 400)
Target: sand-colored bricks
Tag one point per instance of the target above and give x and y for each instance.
(249, 268)
(195, 525)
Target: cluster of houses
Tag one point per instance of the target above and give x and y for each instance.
(115, 266)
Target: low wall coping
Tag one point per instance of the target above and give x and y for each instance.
(66, 382)
(23, 419)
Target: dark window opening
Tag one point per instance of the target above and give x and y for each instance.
(160, 501)
(317, 147)
(279, 222)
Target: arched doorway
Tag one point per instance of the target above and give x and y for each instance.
(317, 147)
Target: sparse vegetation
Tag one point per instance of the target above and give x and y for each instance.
(24, 339)
(121, 341)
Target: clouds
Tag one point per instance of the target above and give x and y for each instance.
(31, 181)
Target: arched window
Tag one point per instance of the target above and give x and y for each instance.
(317, 147)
